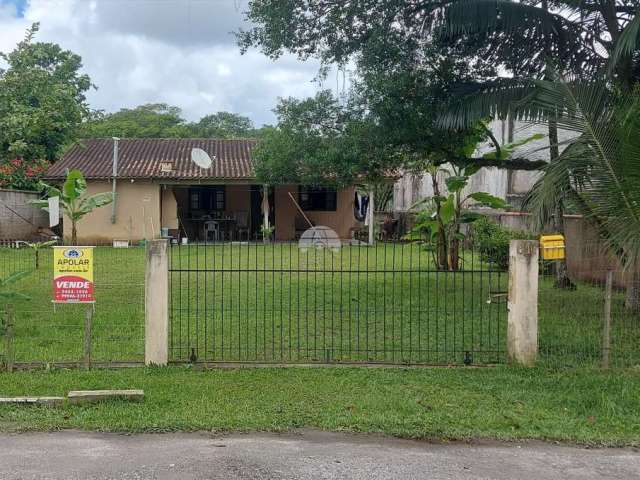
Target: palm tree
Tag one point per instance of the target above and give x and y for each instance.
(73, 201)
(598, 172)
(594, 42)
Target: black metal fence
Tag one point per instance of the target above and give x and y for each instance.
(43, 332)
(277, 302)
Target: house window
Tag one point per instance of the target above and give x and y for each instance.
(195, 200)
(208, 198)
(318, 199)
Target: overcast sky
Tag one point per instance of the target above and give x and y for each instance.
(180, 52)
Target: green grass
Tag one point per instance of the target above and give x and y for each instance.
(570, 326)
(276, 303)
(383, 304)
(584, 406)
(48, 333)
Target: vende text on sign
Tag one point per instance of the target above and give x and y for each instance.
(73, 275)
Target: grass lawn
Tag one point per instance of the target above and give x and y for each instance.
(276, 303)
(584, 406)
(48, 333)
(282, 304)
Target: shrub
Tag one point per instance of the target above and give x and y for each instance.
(492, 241)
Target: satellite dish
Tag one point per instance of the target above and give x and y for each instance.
(201, 158)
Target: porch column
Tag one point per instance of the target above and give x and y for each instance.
(371, 214)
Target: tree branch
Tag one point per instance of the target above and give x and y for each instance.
(512, 164)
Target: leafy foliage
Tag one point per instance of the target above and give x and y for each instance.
(159, 120)
(20, 174)
(42, 103)
(153, 120)
(73, 201)
(318, 141)
(439, 223)
(224, 125)
(492, 241)
(599, 171)
(6, 293)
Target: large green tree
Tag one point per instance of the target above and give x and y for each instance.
(42, 100)
(525, 39)
(159, 120)
(224, 125)
(518, 38)
(152, 120)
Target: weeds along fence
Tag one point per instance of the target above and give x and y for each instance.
(277, 302)
(590, 322)
(47, 333)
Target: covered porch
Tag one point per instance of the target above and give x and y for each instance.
(220, 212)
(214, 212)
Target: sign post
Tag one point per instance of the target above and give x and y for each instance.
(73, 275)
(73, 283)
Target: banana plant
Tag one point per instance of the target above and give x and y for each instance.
(73, 201)
(37, 246)
(442, 216)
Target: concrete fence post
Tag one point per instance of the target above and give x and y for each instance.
(522, 326)
(156, 309)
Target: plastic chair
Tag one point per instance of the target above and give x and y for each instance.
(211, 229)
(242, 224)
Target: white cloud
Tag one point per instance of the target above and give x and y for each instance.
(176, 51)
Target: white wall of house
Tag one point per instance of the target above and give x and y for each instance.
(511, 185)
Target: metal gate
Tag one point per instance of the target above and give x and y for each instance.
(277, 303)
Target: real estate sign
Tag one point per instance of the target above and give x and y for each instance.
(73, 275)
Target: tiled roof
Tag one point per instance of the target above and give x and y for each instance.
(168, 158)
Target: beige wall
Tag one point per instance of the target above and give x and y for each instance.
(341, 221)
(238, 198)
(137, 214)
(139, 211)
(169, 208)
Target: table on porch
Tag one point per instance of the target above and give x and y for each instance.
(226, 226)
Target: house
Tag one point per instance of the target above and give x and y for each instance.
(160, 190)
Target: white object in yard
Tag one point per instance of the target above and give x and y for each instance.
(120, 243)
(320, 237)
(201, 158)
(185, 240)
(54, 211)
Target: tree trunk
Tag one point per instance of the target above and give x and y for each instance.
(74, 233)
(454, 254)
(441, 247)
(560, 266)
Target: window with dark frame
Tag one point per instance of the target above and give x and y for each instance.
(207, 198)
(318, 199)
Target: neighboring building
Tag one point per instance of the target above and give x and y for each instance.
(159, 187)
(511, 185)
(19, 219)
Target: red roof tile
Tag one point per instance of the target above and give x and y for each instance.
(143, 158)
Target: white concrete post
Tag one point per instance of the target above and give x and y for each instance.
(522, 326)
(156, 309)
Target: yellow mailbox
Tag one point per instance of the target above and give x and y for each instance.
(552, 247)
